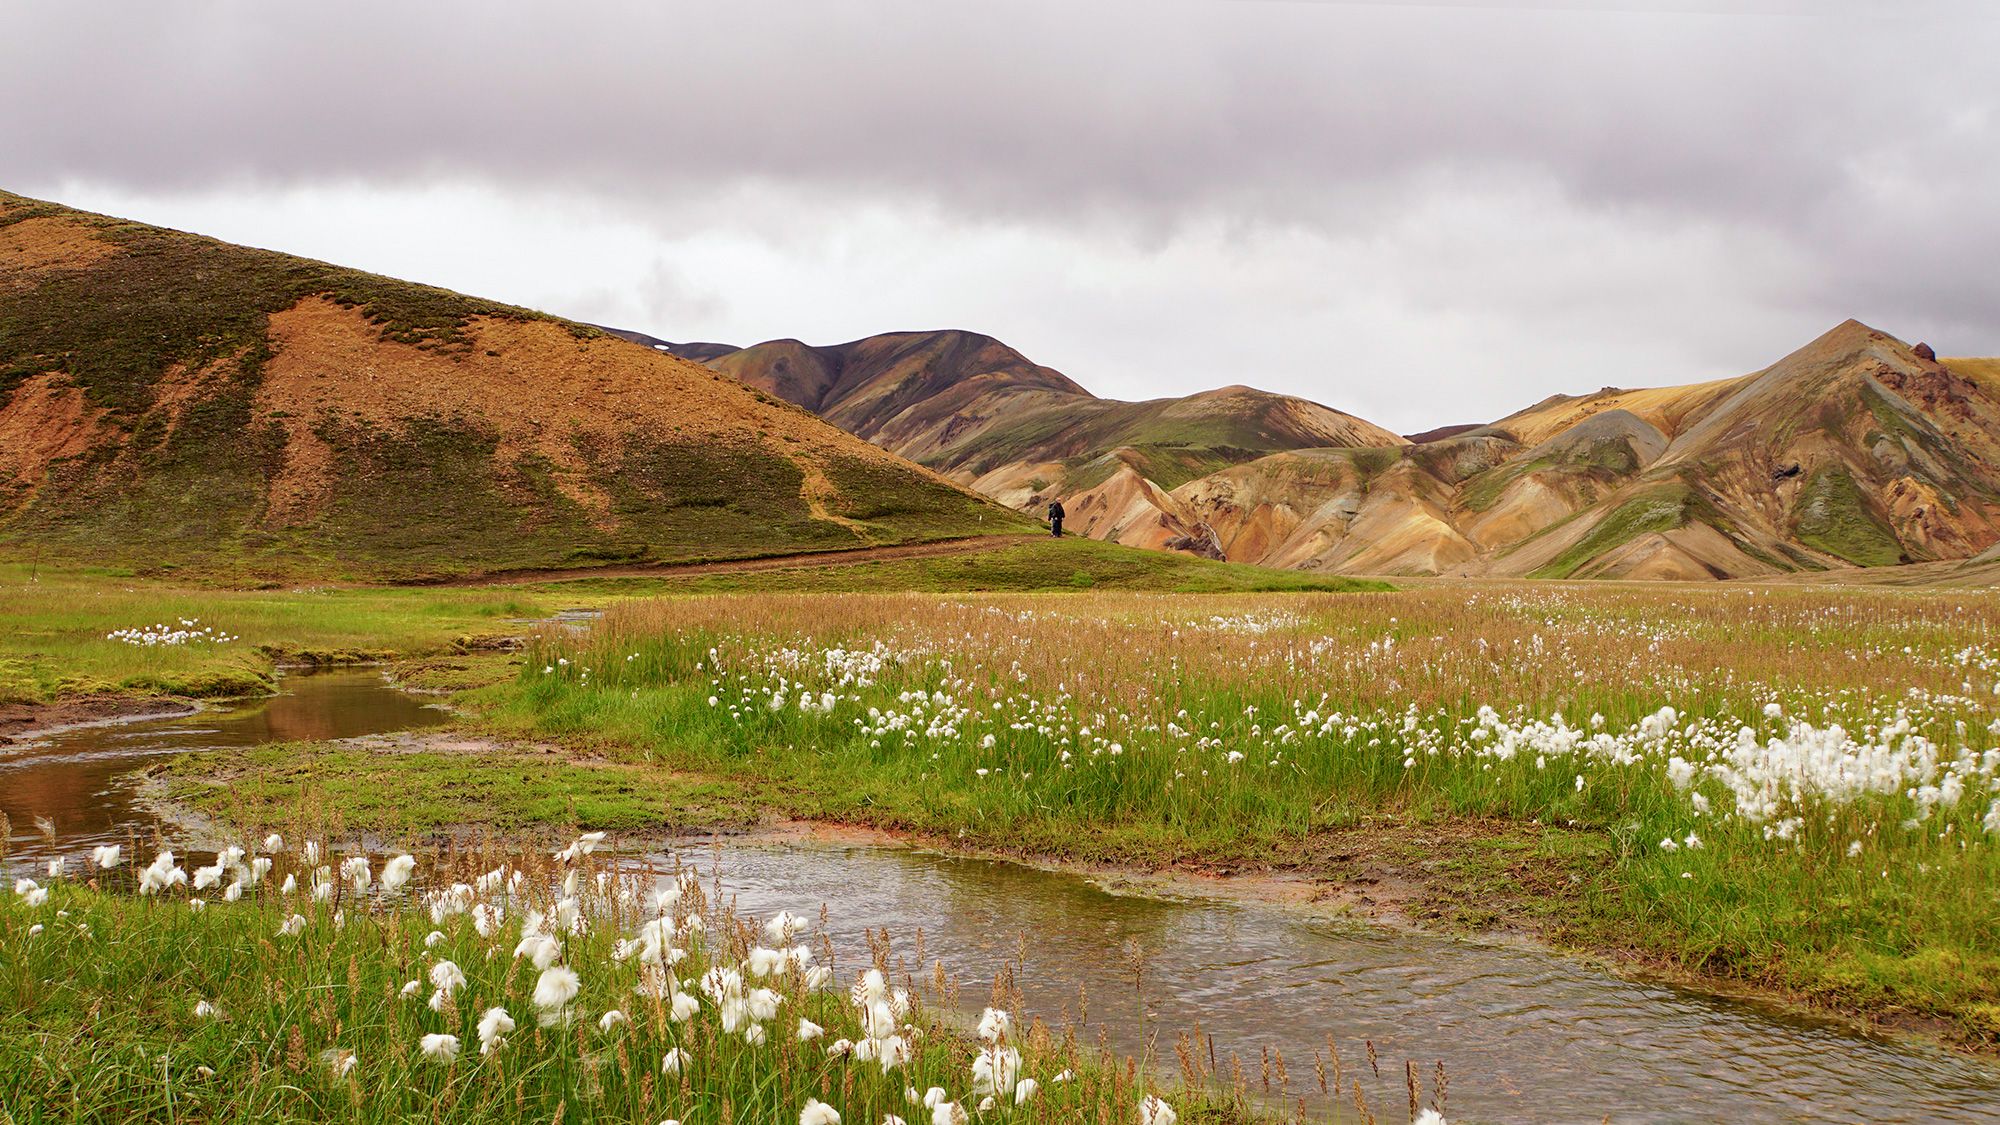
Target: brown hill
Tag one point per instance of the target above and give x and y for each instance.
(168, 399)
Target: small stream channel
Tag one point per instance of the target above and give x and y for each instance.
(1526, 1036)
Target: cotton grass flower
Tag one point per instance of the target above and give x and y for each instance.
(446, 976)
(554, 989)
(274, 843)
(995, 1069)
(106, 856)
(161, 875)
(1025, 1091)
(609, 1020)
(995, 1025)
(292, 926)
(1154, 1111)
(354, 869)
(948, 1113)
(203, 1010)
(443, 1048)
(808, 1031)
(397, 872)
(675, 1061)
(1433, 1117)
(817, 1112)
(494, 1027)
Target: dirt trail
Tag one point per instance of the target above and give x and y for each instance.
(853, 556)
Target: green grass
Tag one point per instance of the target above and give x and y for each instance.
(413, 794)
(1070, 563)
(58, 617)
(55, 642)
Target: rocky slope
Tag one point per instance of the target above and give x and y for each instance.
(171, 400)
(1858, 450)
(978, 411)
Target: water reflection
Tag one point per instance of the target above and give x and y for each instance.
(78, 778)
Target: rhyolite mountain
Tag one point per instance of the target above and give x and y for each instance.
(979, 412)
(172, 400)
(1857, 450)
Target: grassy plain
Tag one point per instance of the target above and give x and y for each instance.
(57, 641)
(1792, 788)
(59, 619)
(1789, 787)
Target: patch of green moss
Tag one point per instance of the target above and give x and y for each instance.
(1833, 516)
(1660, 508)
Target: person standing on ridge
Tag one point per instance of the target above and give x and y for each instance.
(1056, 517)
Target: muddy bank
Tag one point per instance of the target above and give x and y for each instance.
(22, 722)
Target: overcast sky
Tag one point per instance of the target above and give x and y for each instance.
(1421, 213)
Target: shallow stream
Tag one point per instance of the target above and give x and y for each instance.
(1525, 1035)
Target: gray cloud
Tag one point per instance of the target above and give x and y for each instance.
(1494, 201)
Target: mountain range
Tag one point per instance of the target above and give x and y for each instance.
(170, 400)
(1857, 450)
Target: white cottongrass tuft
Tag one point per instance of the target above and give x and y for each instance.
(995, 1025)
(161, 875)
(1153, 1111)
(493, 1029)
(817, 1112)
(110, 855)
(675, 1061)
(443, 1048)
(397, 872)
(554, 989)
(610, 1019)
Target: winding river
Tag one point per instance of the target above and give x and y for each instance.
(1525, 1035)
